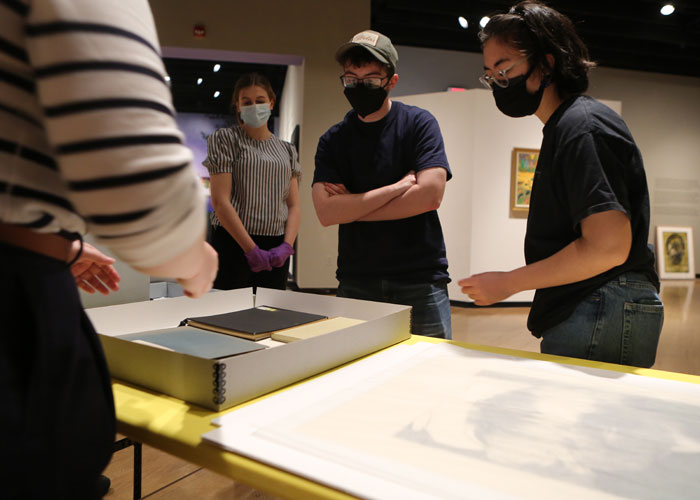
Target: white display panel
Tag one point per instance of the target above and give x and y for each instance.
(480, 234)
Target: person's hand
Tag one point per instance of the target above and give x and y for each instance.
(280, 254)
(199, 284)
(94, 271)
(333, 189)
(487, 288)
(406, 182)
(258, 260)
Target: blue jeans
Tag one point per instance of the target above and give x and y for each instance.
(618, 323)
(430, 304)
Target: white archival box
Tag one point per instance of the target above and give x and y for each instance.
(218, 384)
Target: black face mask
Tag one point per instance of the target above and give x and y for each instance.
(515, 100)
(365, 100)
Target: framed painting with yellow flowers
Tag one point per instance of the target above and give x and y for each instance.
(524, 162)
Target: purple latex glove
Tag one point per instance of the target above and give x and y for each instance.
(280, 254)
(258, 260)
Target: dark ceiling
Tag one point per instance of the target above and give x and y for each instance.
(628, 34)
(191, 97)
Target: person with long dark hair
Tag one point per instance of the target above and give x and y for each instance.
(588, 226)
(254, 192)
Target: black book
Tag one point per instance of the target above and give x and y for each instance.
(255, 323)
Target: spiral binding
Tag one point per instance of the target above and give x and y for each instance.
(219, 383)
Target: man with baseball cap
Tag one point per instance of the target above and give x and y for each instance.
(380, 175)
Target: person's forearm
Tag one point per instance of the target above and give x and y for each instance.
(417, 200)
(230, 220)
(575, 262)
(292, 227)
(424, 196)
(345, 208)
(605, 243)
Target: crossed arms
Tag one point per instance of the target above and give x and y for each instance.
(414, 194)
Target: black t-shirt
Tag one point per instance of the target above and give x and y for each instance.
(365, 156)
(588, 163)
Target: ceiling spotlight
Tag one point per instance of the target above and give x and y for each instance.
(668, 9)
(484, 21)
(199, 81)
(463, 22)
(167, 78)
(217, 67)
(217, 94)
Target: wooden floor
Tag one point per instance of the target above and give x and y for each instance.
(679, 346)
(167, 477)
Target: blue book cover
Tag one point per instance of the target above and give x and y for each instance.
(196, 342)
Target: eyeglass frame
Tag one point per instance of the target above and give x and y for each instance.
(485, 78)
(360, 81)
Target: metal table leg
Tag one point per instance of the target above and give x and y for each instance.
(125, 443)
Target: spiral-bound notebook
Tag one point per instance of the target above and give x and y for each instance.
(255, 323)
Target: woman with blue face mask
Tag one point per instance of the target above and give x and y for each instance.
(588, 225)
(254, 192)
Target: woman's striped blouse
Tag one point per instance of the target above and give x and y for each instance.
(261, 173)
(88, 140)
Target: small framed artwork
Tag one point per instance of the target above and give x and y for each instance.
(674, 252)
(524, 162)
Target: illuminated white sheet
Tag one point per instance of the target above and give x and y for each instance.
(441, 421)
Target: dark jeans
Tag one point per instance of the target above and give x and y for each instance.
(234, 271)
(618, 323)
(57, 423)
(430, 311)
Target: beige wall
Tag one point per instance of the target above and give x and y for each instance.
(312, 29)
(663, 114)
(661, 111)
(480, 234)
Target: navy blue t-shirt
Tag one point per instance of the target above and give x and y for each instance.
(588, 164)
(366, 156)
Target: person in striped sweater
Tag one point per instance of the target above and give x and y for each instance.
(88, 143)
(254, 192)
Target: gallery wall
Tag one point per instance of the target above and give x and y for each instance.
(481, 234)
(661, 111)
(292, 109)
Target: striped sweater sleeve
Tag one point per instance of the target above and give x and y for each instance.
(109, 119)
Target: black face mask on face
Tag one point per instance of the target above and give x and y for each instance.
(515, 100)
(365, 100)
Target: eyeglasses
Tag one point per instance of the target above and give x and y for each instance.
(500, 79)
(373, 82)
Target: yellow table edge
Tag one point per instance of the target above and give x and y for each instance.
(176, 427)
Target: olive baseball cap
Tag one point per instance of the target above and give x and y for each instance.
(375, 43)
